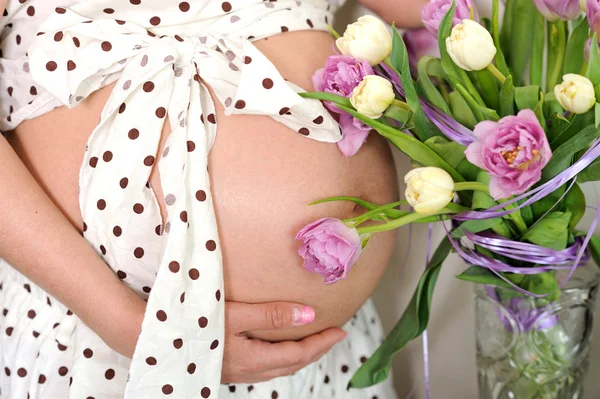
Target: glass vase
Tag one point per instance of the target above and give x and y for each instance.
(535, 348)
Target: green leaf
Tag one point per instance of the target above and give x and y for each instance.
(507, 27)
(597, 115)
(487, 85)
(551, 105)
(412, 324)
(573, 58)
(401, 114)
(557, 41)
(590, 173)
(500, 61)
(475, 226)
(482, 200)
(527, 97)
(562, 156)
(536, 66)
(399, 58)
(558, 125)
(574, 202)
(480, 275)
(481, 113)
(541, 284)
(426, 87)
(412, 147)
(454, 154)
(507, 98)
(520, 44)
(551, 232)
(594, 247)
(461, 110)
(578, 123)
(593, 70)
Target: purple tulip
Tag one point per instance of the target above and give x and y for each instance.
(555, 10)
(593, 14)
(330, 248)
(420, 43)
(513, 150)
(433, 12)
(340, 76)
(587, 48)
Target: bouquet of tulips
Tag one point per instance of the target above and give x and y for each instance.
(501, 127)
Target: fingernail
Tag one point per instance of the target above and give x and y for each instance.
(303, 315)
(343, 337)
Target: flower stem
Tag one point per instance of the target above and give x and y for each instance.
(394, 224)
(410, 218)
(333, 32)
(496, 72)
(374, 212)
(334, 98)
(516, 217)
(557, 40)
(471, 185)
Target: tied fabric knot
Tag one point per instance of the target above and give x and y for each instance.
(179, 269)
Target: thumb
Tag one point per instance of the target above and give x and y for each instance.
(267, 316)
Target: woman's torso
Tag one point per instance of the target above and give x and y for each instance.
(263, 177)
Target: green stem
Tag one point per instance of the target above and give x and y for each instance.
(394, 224)
(333, 32)
(374, 212)
(471, 185)
(334, 98)
(496, 72)
(473, 104)
(413, 217)
(536, 63)
(516, 217)
(557, 40)
(500, 60)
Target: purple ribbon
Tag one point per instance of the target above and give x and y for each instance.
(425, 338)
(447, 125)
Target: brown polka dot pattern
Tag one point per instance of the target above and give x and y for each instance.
(124, 221)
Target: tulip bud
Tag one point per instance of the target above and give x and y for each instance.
(558, 10)
(367, 39)
(575, 93)
(470, 46)
(592, 9)
(372, 96)
(428, 189)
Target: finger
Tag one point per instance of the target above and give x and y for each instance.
(242, 317)
(291, 353)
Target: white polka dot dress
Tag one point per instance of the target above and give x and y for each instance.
(160, 53)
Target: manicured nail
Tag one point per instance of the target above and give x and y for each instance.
(303, 315)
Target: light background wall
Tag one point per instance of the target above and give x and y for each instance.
(451, 329)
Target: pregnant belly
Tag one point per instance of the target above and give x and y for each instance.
(263, 176)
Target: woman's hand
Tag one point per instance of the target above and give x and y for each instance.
(250, 360)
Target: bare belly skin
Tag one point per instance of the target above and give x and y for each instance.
(263, 175)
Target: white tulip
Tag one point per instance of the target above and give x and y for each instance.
(470, 46)
(372, 96)
(428, 189)
(367, 39)
(575, 93)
